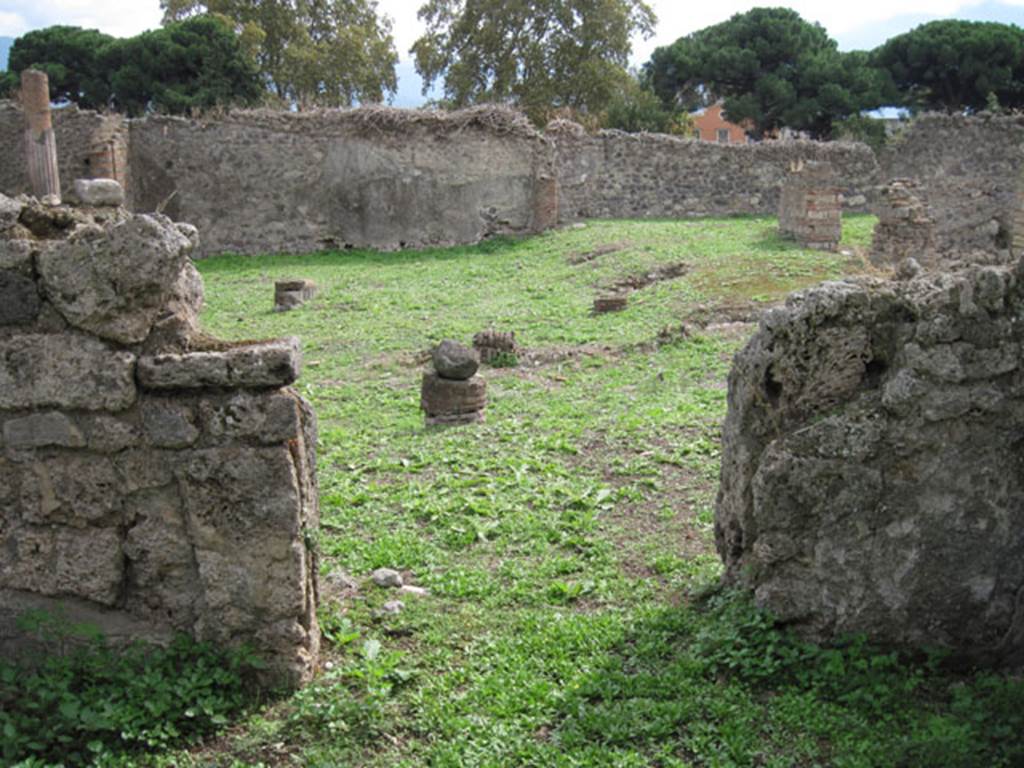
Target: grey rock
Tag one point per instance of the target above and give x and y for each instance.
(869, 479)
(387, 577)
(190, 233)
(339, 581)
(10, 210)
(455, 361)
(39, 430)
(252, 366)
(16, 255)
(64, 371)
(115, 286)
(393, 608)
(168, 423)
(19, 298)
(99, 192)
(107, 434)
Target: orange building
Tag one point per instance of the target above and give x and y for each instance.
(709, 125)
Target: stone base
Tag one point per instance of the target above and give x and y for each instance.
(454, 419)
(289, 294)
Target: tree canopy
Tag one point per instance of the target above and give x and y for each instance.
(310, 52)
(537, 54)
(71, 57)
(771, 68)
(955, 65)
(193, 64)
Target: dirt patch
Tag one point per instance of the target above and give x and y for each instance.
(646, 279)
(602, 250)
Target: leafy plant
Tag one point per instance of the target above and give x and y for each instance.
(95, 701)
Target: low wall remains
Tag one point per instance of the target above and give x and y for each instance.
(152, 481)
(261, 181)
(966, 171)
(620, 175)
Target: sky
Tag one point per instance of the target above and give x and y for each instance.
(854, 25)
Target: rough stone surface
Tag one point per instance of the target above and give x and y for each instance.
(386, 577)
(65, 371)
(905, 228)
(114, 284)
(871, 468)
(98, 192)
(192, 508)
(614, 175)
(966, 173)
(455, 361)
(265, 365)
(289, 294)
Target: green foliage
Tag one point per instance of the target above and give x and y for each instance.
(309, 52)
(868, 130)
(93, 702)
(72, 57)
(540, 55)
(503, 359)
(955, 65)
(636, 108)
(771, 68)
(191, 65)
(195, 64)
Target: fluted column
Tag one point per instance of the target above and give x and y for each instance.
(40, 142)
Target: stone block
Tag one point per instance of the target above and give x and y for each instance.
(115, 283)
(64, 371)
(19, 298)
(16, 255)
(448, 397)
(254, 366)
(39, 430)
(289, 294)
(99, 192)
(167, 423)
(89, 564)
(267, 418)
(75, 490)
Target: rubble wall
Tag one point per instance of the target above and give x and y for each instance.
(967, 171)
(871, 468)
(152, 481)
(615, 175)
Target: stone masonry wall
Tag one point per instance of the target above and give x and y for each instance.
(620, 175)
(872, 463)
(967, 171)
(152, 480)
(77, 132)
(258, 182)
(811, 207)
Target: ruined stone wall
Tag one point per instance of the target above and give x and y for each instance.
(967, 171)
(258, 182)
(872, 463)
(152, 481)
(77, 131)
(619, 175)
(811, 207)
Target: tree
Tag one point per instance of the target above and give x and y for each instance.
(194, 64)
(771, 68)
(71, 57)
(540, 55)
(328, 52)
(956, 65)
(635, 108)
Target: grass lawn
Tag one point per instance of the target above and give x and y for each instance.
(563, 542)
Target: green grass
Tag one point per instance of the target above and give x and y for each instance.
(562, 541)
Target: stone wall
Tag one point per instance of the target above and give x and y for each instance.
(620, 175)
(258, 182)
(152, 480)
(872, 463)
(78, 132)
(967, 171)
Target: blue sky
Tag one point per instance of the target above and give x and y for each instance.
(862, 24)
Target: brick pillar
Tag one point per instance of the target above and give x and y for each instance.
(545, 203)
(40, 142)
